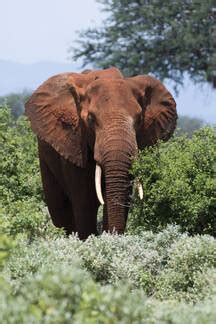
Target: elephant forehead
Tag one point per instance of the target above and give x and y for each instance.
(111, 95)
(110, 88)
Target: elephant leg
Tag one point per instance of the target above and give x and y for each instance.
(86, 220)
(59, 205)
(85, 208)
(84, 200)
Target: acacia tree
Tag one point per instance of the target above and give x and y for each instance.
(166, 38)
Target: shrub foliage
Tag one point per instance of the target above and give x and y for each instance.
(21, 204)
(149, 277)
(144, 278)
(179, 184)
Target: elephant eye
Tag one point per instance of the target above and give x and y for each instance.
(139, 119)
(91, 119)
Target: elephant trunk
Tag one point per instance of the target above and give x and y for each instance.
(119, 150)
(118, 189)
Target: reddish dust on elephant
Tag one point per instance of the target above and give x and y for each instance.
(89, 127)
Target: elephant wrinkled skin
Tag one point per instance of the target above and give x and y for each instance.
(95, 117)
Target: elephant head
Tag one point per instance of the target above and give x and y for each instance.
(106, 115)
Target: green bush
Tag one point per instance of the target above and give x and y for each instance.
(69, 295)
(179, 185)
(21, 204)
(6, 244)
(166, 265)
(149, 277)
(19, 167)
(190, 272)
(29, 218)
(61, 280)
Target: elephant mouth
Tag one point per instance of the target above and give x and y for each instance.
(98, 176)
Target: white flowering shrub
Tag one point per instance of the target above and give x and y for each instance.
(190, 272)
(111, 279)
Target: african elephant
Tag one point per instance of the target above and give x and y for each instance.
(90, 126)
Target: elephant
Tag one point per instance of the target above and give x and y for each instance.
(89, 127)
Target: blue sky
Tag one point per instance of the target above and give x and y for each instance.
(43, 30)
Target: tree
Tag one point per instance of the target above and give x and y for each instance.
(16, 102)
(166, 38)
(187, 125)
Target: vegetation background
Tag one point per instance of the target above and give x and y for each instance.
(163, 270)
(156, 272)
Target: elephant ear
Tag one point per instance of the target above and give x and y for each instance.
(53, 110)
(159, 111)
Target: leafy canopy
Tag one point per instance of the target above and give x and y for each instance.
(164, 38)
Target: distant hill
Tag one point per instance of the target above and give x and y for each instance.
(14, 77)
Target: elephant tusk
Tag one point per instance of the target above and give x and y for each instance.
(98, 172)
(140, 190)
